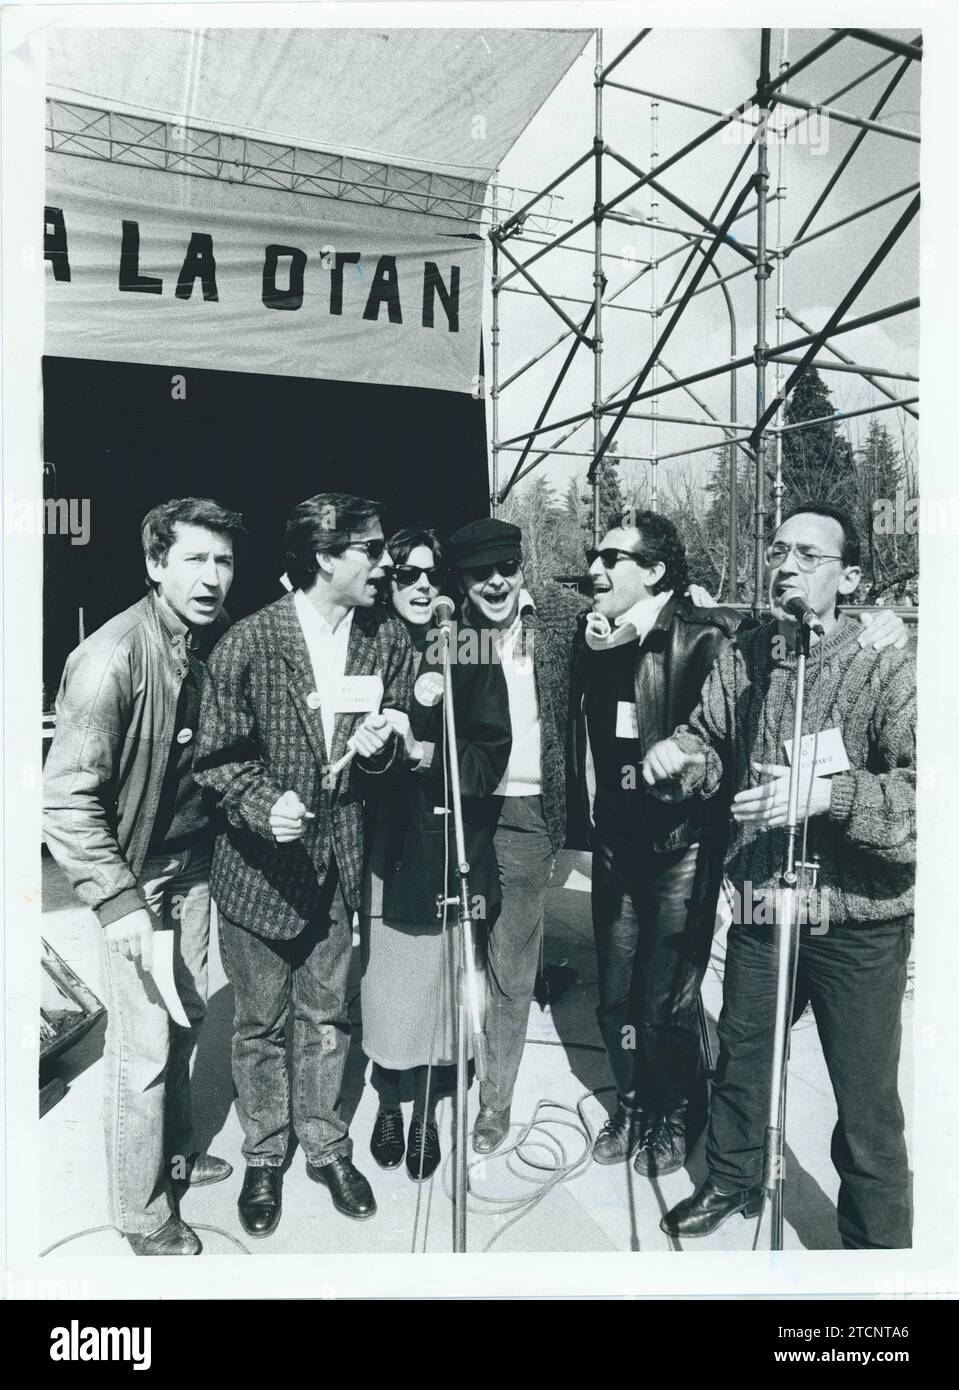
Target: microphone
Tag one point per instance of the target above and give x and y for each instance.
(798, 608)
(443, 610)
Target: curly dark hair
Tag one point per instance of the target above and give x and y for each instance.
(403, 542)
(659, 543)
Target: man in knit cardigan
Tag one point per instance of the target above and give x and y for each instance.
(852, 964)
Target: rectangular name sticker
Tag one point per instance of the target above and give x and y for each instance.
(627, 725)
(830, 752)
(358, 695)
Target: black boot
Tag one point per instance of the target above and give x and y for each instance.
(620, 1135)
(662, 1148)
(425, 1137)
(259, 1203)
(708, 1208)
(386, 1142)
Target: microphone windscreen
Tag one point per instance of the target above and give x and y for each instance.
(443, 609)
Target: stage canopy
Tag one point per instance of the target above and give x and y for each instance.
(449, 101)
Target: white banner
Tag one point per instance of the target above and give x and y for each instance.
(179, 271)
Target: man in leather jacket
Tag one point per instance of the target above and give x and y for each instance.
(129, 826)
(640, 660)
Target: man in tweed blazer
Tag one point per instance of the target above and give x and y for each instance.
(293, 689)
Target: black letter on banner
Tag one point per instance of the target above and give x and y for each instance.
(449, 298)
(55, 242)
(290, 298)
(198, 264)
(341, 259)
(384, 290)
(130, 277)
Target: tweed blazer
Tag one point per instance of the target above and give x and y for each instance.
(259, 737)
(552, 621)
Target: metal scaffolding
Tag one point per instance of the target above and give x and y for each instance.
(767, 114)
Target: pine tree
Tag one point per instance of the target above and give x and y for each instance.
(611, 504)
(889, 558)
(818, 462)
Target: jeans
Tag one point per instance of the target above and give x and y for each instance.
(147, 1117)
(855, 976)
(525, 857)
(653, 918)
(271, 980)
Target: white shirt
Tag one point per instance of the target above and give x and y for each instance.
(327, 648)
(634, 624)
(524, 775)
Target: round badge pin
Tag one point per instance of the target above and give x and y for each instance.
(428, 689)
(313, 700)
(184, 736)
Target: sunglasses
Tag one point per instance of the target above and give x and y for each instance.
(507, 568)
(610, 557)
(374, 549)
(406, 575)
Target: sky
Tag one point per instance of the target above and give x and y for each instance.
(714, 68)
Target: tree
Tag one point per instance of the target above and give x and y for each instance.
(890, 558)
(611, 503)
(818, 460)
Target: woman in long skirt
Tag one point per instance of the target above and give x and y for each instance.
(407, 990)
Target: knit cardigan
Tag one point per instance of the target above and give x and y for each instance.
(866, 841)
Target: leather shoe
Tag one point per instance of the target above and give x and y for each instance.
(259, 1203)
(425, 1137)
(491, 1128)
(351, 1193)
(706, 1210)
(174, 1237)
(199, 1170)
(620, 1136)
(662, 1148)
(387, 1143)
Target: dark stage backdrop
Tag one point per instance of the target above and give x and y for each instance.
(114, 433)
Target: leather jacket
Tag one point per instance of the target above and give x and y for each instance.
(103, 775)
(671, 666)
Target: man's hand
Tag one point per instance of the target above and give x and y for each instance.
(372, 736)
(700, 597)
(882, 629)
(400, 723)
(287, 817)
(665, 765)
(132, 936)
(768, 805)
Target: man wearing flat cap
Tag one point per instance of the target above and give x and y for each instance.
(533, 634)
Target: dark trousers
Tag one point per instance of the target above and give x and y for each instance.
(525, 858)
(271, 980)
(855, 977)
(653, 918)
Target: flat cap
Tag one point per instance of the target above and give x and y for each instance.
(484, 542)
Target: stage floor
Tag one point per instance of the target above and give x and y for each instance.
(601, 1209)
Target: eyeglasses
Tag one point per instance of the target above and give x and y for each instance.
(610, 557)
(507, 568)
(406, 575)
(374, 549)
(808, 558)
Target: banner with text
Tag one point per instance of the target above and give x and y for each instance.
(165, 268)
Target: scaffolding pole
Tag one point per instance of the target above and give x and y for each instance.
(780, 290)
(598, 278)
(762, 275)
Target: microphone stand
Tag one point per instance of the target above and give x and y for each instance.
(468, 1018)
(787, 926)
